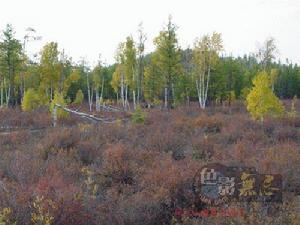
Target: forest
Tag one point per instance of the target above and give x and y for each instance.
(121, 143)
(169, 76)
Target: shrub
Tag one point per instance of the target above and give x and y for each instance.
(138, 116)
(117, 166)
(40, 214)
(79, 97)
(31, 100)
(209, 124)
(5, 215)
(293, 111)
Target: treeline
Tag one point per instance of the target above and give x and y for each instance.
(168, 76)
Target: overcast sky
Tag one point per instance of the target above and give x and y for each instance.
(87, 28)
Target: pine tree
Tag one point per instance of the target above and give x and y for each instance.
(167, 59)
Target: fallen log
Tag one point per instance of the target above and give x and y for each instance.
(81, 114)
(110, 108)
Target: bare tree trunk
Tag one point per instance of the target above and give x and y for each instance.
(134, 103)
(8, 95)
(173, 94)
(101, 95)
(122, 90)
(54, 116)
(187, 97)
(90, 97)
(166, 97)
(126, 98)
(97, 100)
(138, 96)
(199, 93)
(202, 88)
(206, 89)
(2, 92)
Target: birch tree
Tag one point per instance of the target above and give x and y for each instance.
(140, 62)
(205, 56)
(119, 75)
(115, 82)
(50, 69)
(10, 64)
(98, 80)
(131, 79)
(89, 83)
(267, 53)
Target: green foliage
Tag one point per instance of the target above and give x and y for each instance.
(261, 101)
(287, 84)
(167, 59)
(153, 84)
(205, 58)
(231, 96)
(115, 82)
(97, 76)
(31, 100)
(130, 63)
(73, 78)
(59, 99)
(245, 92)
(146, 76)
(50, 68)
(79, 97)
(10, 63)
(138, 116)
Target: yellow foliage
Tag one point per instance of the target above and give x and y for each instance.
(261, 101)
(31, 100)
(4, 217)
(91, 186)
(40, 215)
(59, 99)
(73, 78)
(79, 97)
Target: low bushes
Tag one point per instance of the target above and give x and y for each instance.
(128, 173)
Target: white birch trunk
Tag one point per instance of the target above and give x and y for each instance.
(101, 95)
(126, 98)
(7, 95)
(2, 93)
(122, 91)
(134, 103)
(90, 98)
(54, 116)
(97, 100)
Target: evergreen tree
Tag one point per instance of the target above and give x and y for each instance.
(167, 60)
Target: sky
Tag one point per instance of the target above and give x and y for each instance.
(85, 29)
